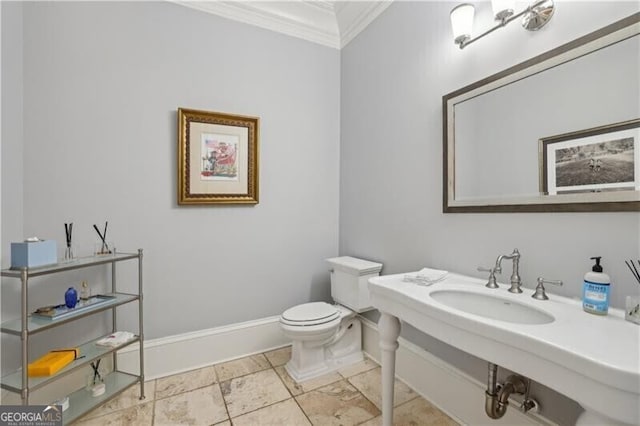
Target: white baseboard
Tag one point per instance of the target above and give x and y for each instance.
(176, 354)
(454, 392)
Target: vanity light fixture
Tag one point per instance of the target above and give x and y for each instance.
(534, 17)
(462, 23)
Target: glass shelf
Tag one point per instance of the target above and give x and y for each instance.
(89, 351)
(81, 262)
(36, 324)
(81, 401)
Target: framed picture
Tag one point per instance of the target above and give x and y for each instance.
(605, 158)
(217, 158)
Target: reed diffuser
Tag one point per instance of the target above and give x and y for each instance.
(632, 303)
(68, 252)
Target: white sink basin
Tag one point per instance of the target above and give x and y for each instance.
(491, 306)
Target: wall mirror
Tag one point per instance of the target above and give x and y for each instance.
(557, 133)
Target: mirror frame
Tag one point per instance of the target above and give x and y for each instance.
(618, 31)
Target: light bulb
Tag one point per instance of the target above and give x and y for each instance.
(462, 22)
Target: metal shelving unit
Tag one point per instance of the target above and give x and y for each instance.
(116, 382)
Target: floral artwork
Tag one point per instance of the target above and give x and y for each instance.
(219, 157)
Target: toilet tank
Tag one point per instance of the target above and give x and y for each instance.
(349, 281)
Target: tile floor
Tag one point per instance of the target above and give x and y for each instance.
(257, 390)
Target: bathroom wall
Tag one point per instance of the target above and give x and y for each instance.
(11, 214)
(102, 83)
(12, 130)
(394, 75)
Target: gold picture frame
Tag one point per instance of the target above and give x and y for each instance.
(217, 158)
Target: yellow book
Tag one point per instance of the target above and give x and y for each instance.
(52, 362)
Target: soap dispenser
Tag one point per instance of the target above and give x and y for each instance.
(595, 292)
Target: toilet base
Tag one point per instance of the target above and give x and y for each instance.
(312, 359)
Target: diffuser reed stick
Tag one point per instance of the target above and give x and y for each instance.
(634, 269)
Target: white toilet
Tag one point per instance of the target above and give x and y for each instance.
(328, 337)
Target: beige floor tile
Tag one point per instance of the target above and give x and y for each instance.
(416, 412)
(357, 368)
(318, 382)
(283, 413)
(126, 399)
(337, 404)
(241, 367)
(279, 356)
(257, 390)
(377, 421)
(308, 385)
(194, 379)
(225, 423)
(202, 406)
(369, 384)
(139, 415)
(293, 387)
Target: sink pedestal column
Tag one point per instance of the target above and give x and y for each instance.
(389, 329)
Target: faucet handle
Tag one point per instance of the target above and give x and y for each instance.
(540, 293)
(491, 283)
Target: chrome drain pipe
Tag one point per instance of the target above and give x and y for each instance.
(497, 397)
(492, 379)
(491, 403)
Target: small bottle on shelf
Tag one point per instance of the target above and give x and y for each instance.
(85, 294)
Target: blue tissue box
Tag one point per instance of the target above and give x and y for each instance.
(37, 253)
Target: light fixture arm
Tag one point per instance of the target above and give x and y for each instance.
(531, 10)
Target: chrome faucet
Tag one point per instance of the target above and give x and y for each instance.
(516, 282)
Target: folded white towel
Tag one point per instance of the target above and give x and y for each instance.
(116, 339)
(426, 276)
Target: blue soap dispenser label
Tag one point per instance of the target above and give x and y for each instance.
(595, 297)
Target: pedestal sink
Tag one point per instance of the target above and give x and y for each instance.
(491, 306)
(592, 359)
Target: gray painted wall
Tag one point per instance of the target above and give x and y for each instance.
(12, 130)
(394, 75)
(102, 82)
(11, 145)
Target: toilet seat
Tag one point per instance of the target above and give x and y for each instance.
(310, 314)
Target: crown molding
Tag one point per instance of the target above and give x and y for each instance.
(323, 4)
(295, 19)
(325, 22)
(361, 14)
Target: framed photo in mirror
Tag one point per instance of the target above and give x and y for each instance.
(600, 159)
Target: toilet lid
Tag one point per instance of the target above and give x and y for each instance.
(310, 314)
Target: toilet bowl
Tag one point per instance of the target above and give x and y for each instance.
(326, 337)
